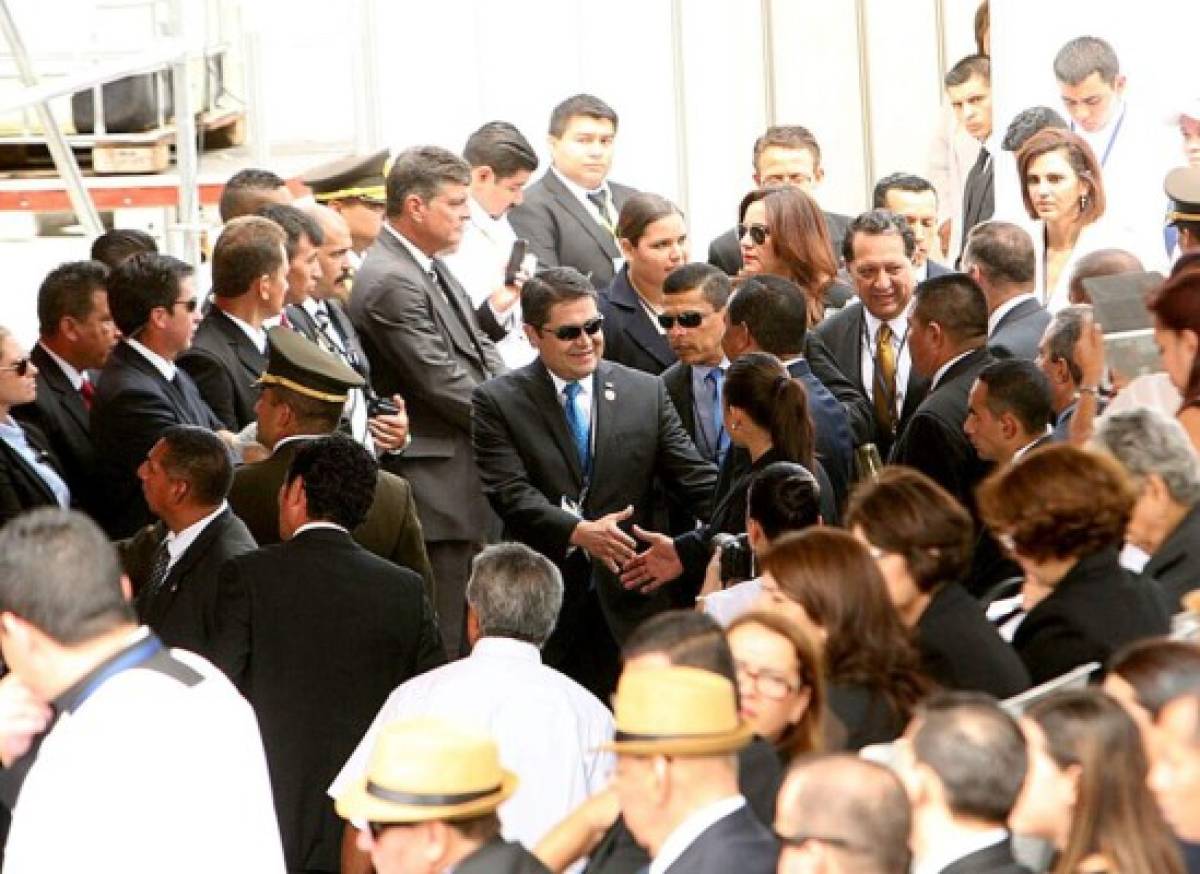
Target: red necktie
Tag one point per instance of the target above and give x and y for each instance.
(87, 391)
(285, 321)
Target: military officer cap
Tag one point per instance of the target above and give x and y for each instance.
(1183, 187)
(354, 177)
(295, 362)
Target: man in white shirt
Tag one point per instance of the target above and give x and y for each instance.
(963, 762)
(548, 727)
(999, 256)
(1009, 411)
(501, 162)
(151, 755)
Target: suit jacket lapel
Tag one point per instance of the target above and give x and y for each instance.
(21, 468)
(640, 329)
(174, 393)
(579, 212)
(243, 347)
(71, 400)
(456, 313)
(605, 402)
(541, 388)
(197, 549)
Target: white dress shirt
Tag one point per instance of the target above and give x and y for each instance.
(941, 371)
(546, 725)
(162, 365)
(178, 543)
(1005, 308)
(1020, 453)
(690, 829)
(73, 376)
(952, 847)
(899, 343)
(581, 194)
(258, 336)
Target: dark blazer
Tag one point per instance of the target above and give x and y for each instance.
(1019, 332)
(726, 252)
(561, 231)
(839, 339)
(433, 353)
(133, 405)
(317, 632)
(183, 610)
(960, 649)
(1175, 565)
(996, 859)
(835, 444)
(59, 414)
(529, 464)
(629, 336)
(866, 715)
(21, 487)
(342, 326)
(933, 440)
(225, 364)
(391, 530)
(738, 842)
(860, 415)
(499, 856)
(1097, 608)
(933, 268)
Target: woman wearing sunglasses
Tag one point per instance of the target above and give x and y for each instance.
(653, 238)
(782, 232)
(29, 476)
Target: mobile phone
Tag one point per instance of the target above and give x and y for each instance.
(517, 256)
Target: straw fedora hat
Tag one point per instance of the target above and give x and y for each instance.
(424, 769)
(676, 711)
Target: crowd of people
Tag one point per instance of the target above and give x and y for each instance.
(438, 522)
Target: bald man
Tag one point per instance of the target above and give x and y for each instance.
(1102, 262)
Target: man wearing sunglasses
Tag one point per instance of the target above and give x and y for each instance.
(569, 448)
(141, 392)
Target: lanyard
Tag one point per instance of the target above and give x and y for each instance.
(130, 658)
(1116, 130)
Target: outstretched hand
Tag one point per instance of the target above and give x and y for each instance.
(604, 540)
(655, 566)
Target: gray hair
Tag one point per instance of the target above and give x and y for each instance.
(1066, 327)
(1148, 442)
(515, 592)
(423, 170)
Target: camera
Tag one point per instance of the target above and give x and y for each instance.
(377, 406)
(737, 558)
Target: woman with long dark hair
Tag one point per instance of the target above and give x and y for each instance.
(1176, 309)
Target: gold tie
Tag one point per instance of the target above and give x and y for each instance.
(885, 379)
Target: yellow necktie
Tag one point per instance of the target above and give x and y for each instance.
(885, 379)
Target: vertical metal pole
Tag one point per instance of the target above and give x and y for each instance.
(186, 158)
(864, 92)
(939, 19)
(681, 128)
(368, 119)
(256, 98)
(768, 52)
(60, 151)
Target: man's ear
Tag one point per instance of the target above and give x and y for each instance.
(126, 587)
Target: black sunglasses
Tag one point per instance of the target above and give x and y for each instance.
(190, 304)
(758, 233)
(567, 333)
(689, 319)
(20, 367)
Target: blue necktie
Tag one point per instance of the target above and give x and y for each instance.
(715, 378)
(579, 422)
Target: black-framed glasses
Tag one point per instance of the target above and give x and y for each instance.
(758, 233)
(566, 333)
(20, 367)
(688, 319)
(190, 304)
(799, 840)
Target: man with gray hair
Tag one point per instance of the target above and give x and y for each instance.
(419, 331)
(999, 256)
(548, 726)
(1056, 358)
(1165, 526)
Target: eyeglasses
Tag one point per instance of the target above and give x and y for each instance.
(20, 367)
(758, 233)
(768, 683)
(190, 304)
(566, 333)
(378, 828)
(689, 319)
(799, 840)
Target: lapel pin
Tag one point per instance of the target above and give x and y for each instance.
(609, 394)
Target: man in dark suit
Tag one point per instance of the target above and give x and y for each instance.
(958, 744)
(999, 256)
(915, 200)
(316, 632)
(1057, 359)
(839, 814)
(302, 396)
(677, 734)
(783, 155)
(969, 87)
(947, 333)
(569, 448)
(879, 248)
(173, 565)
(303, 243)
(418, 328)
(76, 336)
(229, 352)
(1008, 411)
(570, 215)
(141, 392)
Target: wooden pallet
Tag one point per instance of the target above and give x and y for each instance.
(122, 153)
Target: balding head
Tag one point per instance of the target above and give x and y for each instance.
(845, 814)
(333, 256)
(1102, 262)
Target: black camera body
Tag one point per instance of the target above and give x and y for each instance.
(737, 558)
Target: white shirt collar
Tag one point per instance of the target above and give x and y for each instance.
(483, 219)
(162, 365)
(899, 323)
(425, 262)
(69, 371)
(505, 647)
(293, 439)
(957, 845)
(578, 190)
(1020, 453)
(1005, 308)
(585, 386)
(920, 274)
(941, 371)
(178, 542)
(690, 829)
(320, 523)
(257, 335)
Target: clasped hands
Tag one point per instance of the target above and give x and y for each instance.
(644, 571)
